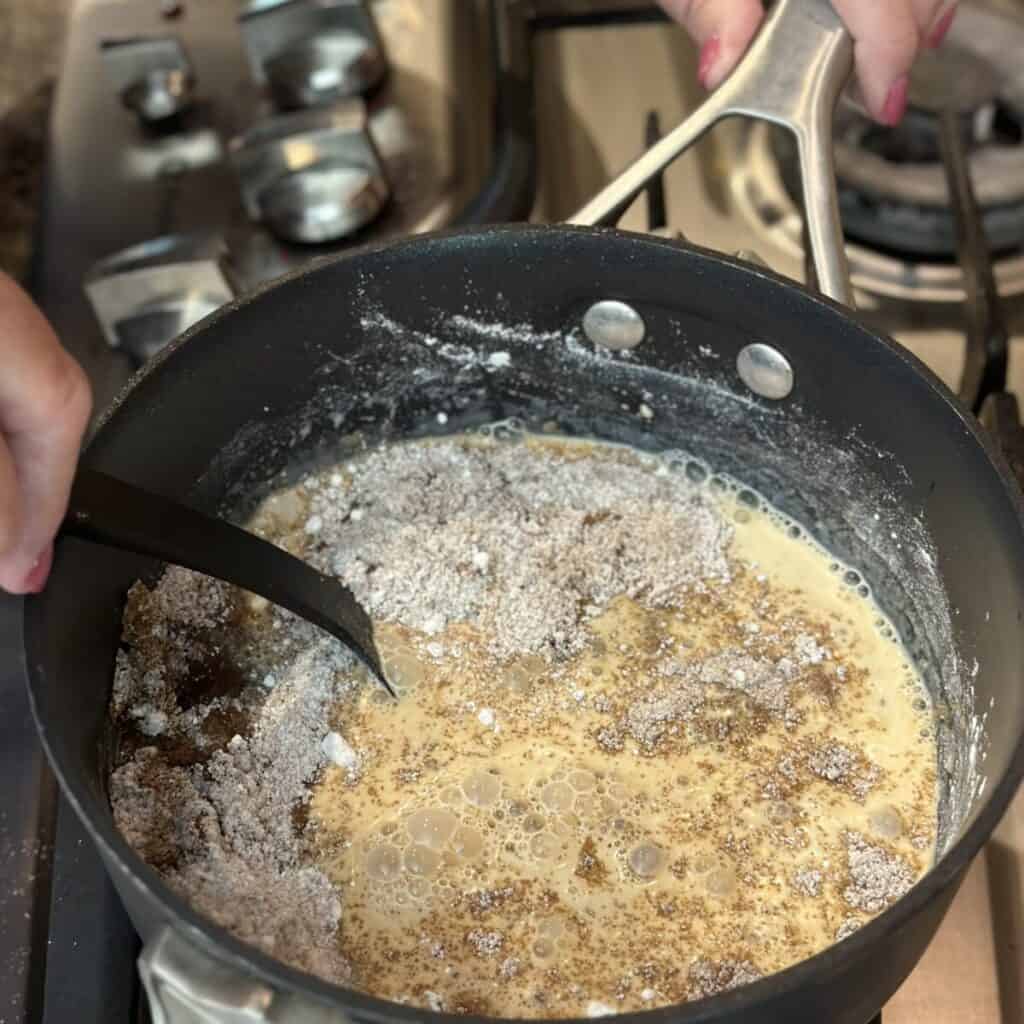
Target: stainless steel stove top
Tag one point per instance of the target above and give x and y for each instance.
(148, 224)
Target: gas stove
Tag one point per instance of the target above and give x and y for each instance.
(202, 148)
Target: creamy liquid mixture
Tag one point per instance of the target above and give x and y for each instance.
(707, 792)
(652, 743)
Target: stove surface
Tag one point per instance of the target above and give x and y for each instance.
(67, 950)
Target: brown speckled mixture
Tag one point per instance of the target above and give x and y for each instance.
(650, 745)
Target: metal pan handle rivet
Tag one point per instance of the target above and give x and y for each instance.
(613, 324)
(765, 370)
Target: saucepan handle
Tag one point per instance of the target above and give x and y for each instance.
(185, 984)
(792, 76)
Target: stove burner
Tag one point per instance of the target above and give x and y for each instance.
(893, 194)
(892, 188)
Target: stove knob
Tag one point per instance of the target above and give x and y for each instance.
(323, 203)
(313, 176)
(311, 52)
(148, 294)
(153, 77)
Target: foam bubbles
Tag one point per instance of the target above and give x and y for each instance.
(384, 863)
(482, 788)
(647, 860)
(432, 827)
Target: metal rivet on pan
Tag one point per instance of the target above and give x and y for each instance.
(765, 370)
(613, 324)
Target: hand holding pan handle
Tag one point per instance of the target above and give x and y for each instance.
(791, 76)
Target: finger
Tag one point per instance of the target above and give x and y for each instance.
(722, 28)
(934, 18)
(886, 40)
(44, 407)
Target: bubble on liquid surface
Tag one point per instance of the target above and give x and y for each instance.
(432, 827)
(646, 860)
(403, 668)
(544, 846)
(533, 823)
(481, 788)
(721, 882)
(422, 861)
(549, 928)
(467, 843)
(558, 796)
(704, 862)
(522, 673)
(419, 888)
(886, 822)
(384, 863)
(582, 781)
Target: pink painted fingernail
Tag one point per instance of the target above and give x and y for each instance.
(708, 58)
(941, 27)
(895, 101)
(35, 580)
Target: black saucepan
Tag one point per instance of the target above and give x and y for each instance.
(868, 450)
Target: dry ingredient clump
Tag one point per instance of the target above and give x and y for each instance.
(708, 977)
(218, 822)
(808, 882)
(877, 878)
(526, 548)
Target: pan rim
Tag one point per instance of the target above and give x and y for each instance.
(223, 945)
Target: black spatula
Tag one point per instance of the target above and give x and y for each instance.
(109, 511)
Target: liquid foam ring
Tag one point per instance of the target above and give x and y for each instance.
(467, 843)
(886, 822)
(545, 846)
(481, 788)
(795, 531)
(697, 471)
(384, 863)
(534, 823)
(549, 928)
(748, 497)
(508, 430)
(421, 861)
(432, 827)
(419, 888)
(646, 860)
(718, 484)
(721, 882)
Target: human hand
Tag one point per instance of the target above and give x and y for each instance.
(44, 407)
(887, 37)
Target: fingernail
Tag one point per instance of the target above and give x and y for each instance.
(895, 101)
(941, 27)
(708, 58)
(35, 580)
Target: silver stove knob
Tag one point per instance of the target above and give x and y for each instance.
(324, 202)
(313, 176)
(153, 77)
(148, 294)
(311, 52)
(159, 94)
